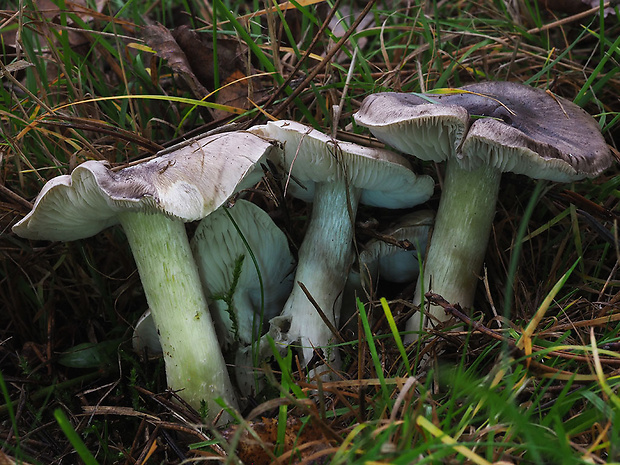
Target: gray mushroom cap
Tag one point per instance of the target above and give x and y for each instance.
(414, 124)
(186, 183)
(510, 126)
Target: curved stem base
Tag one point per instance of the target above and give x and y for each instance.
(324, 260)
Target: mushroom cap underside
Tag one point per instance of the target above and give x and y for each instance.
(414, 124)
(310, 156)
(392, 262)
(219, 242)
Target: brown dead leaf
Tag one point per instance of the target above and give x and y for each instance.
(191, 56)
(50, 11)
(233, 89)
(6, 460)
(160, 39)
(255, 452)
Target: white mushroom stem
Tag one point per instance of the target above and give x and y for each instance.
(194, 362)
(459, 240)
(324, 260)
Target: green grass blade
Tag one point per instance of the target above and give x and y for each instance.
(74, 438)
(514, 258)
(373, 351)
(396, 334)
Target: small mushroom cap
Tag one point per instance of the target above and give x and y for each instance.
(310, 156)
(416, 125)
(394, 263)
(218, 245)
(511, 127)
(187, 183)
(145, 340)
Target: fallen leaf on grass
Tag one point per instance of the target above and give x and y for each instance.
(191, 55)
(161, 40)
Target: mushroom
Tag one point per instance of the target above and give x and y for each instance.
(382, 258)
(481, 130)
(243, 295)
(246, 269)
(386, 260)
(336, 176)
(151, 201)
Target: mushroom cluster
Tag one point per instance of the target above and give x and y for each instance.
(335, 176)
(481, 130)
(237, 277)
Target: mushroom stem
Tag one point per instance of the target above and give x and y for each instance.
(169, 275)
(459, 240)
(324, 260)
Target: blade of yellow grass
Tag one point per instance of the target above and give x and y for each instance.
(347, 442)
(244, 78)
(546, 226)
(151, 451)
(395, 334)
(262, 110)
(314, 56)
(577, 348)
(198, 103)
(452, 90)
(189, 101)
(600, 375)
(567, 375)
(443, 437)
(141, 47)
(471, 412)
(602, 380)
(525, 341)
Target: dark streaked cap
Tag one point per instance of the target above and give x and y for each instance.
(510, 126)
(529, 131)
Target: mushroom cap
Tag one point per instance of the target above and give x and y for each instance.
(310, 156)
(217, 245)
(414, 124)
(187, 182)
(512, 127)
(528, 131)
(394, 263)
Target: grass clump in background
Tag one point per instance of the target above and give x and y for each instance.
(118, 81)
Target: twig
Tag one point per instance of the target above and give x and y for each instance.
(570, 19)
(302, 60)
(298, 90)
(321, 313)
(455, 310)
(13, 196)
